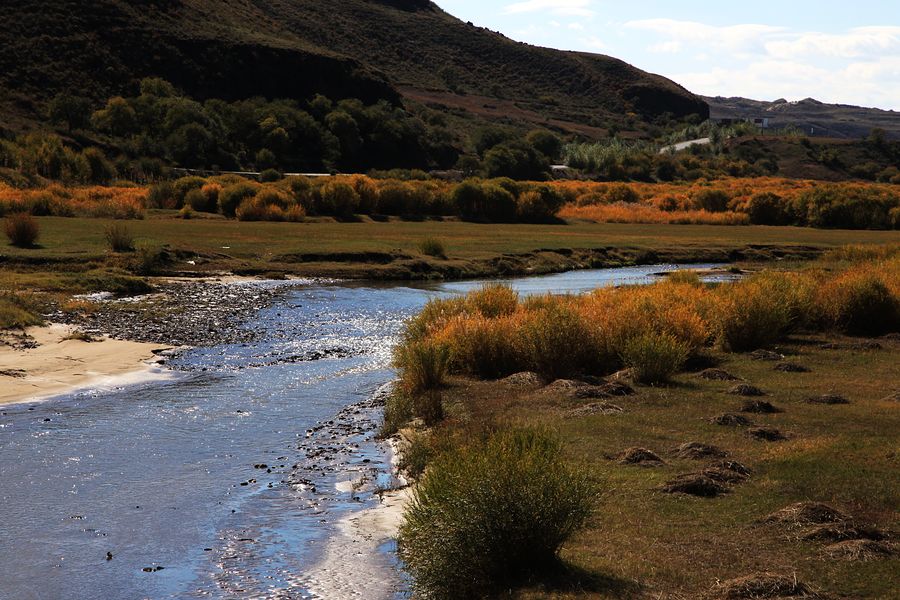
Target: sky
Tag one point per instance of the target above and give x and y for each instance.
(836, 51)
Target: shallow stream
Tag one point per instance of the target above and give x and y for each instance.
(225, 480)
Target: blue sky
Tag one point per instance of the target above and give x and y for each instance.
(831, 50)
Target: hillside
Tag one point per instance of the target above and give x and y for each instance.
(369, 49)
(811, 116)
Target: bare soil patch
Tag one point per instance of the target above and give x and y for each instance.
(639, 456)
(861, 550)
(766, 355)
(717, 375)
(695, 484)
(827, 399)
(807, 513)
(731, 420)
(760, 407)
(766, 434)
(745, 389)
(698, 451)
(788, 367)
(765, 585)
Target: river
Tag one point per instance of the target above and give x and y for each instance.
(224, 480)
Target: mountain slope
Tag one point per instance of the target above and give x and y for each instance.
(811, 116)
(294, 48)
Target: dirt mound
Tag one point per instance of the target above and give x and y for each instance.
(525, 379)
(861, 550)
(731, 420)
(698, 451)
(745, 389)
(695, 484)
(827, 399)
(639, 456)
(733, 465)
(717, 375)
(765, 585)
(723, 475)
(839, 532)
(617, 388)
(766, 434)
(760, 407)
(766, 355)
(807, 513)
(788, 367)
(597, 408)
(860, 345)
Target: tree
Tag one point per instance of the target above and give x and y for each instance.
(516, 159)
(74, 111)
(117, 118)
(547, 143)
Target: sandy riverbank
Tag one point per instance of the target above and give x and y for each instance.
(354, 563)
(42, 363)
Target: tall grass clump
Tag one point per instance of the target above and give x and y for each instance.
(422, 365)
(119, 238)
(22, 230)
(753, 314)
(492, 514)
(859, 302)
(654, 357)
(431, 246)
(557, 343)
(493, 300)
(17, 313)
(483, 347)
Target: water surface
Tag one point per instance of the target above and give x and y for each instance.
(199, 474)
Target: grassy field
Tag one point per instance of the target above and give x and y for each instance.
(223, 242)
(648, 544)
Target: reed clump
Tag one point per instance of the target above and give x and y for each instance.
(492, 513)
(492, 333)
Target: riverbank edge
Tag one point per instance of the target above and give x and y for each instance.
(399, 266)
(56, 365)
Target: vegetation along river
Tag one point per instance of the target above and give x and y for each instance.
(226, 479)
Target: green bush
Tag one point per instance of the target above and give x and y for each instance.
(161, 195)
(338, 199)
(539, 205)
(654, 357)
(847, 207)
(22, 230)
(431, 246)
(119, 239)
(768, 209)
(270, 176)
(398, 411)
(492, 515)
(860, 304)
(183, 185)
(231, 197)
(481, 201)
(712, 200)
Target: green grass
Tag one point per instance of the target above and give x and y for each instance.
(681, 545)
(77, 238)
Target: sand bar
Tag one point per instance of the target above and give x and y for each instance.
(57, 366)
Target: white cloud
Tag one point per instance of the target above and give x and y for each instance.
(679, 34)
(858, 66)
(556, 7)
